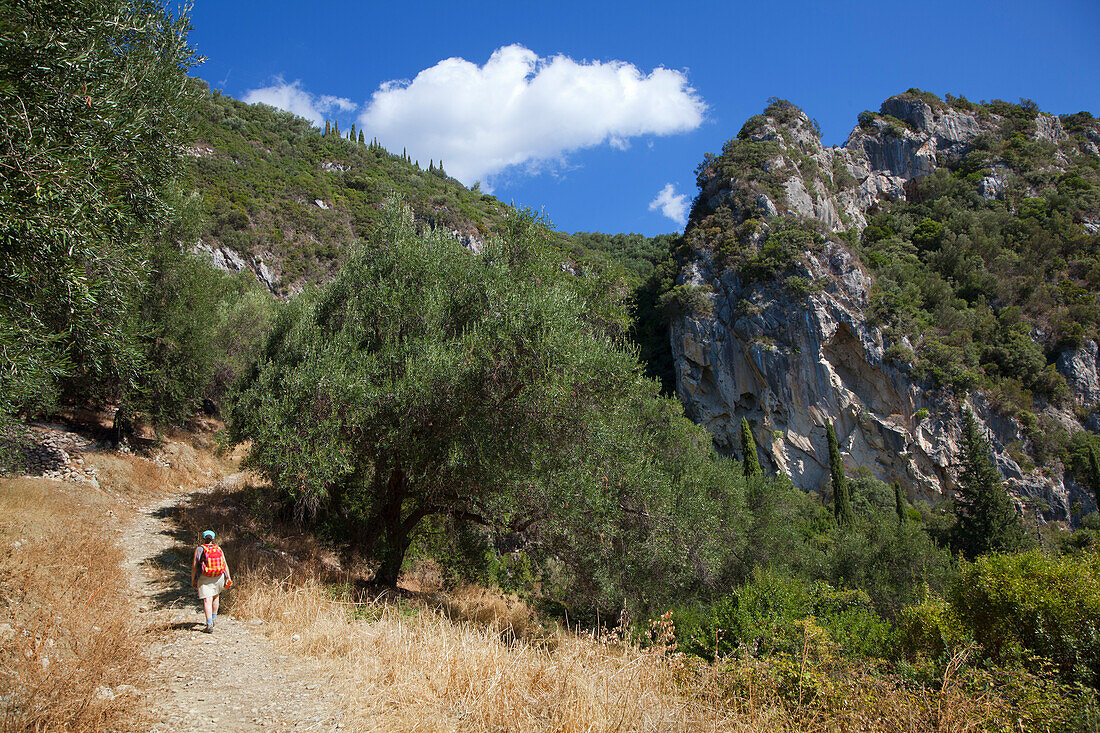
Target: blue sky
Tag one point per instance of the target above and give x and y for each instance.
(587, 111)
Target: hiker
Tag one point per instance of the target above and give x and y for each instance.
(210, 576)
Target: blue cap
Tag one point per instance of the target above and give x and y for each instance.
(208, 534)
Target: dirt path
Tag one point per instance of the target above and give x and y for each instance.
(233, 680)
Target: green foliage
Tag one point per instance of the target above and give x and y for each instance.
(686, 300)
(931, 631)
(648, 269)
(787, 528)
(927, 97)
(204, 326)
(1031, 607)
(889, 561)
(266, 168)
(93, 109)
(842, 508)
(750, 461)
(985, 517)
(1094, 474)
(766, 616)
(989, 290)
(1082, 458)
(494, 388)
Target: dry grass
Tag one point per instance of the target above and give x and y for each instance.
(68, 652)
(475, 660)
(181, 467)
(410, 667)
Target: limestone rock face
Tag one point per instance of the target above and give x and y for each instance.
(229, 260)
(837, 185)
(1079, 367)
(790, 361)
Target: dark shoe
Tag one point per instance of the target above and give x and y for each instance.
(208, 629)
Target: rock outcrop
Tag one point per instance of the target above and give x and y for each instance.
(791, 359)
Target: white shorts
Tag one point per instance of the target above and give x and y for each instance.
(210, 586)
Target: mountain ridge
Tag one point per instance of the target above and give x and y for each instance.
(825, 283)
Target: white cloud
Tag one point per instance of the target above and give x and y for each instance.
(292, 98)
(671, 204)
(522, 109)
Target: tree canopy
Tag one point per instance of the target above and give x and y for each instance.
(986, 519)
(496, 388)
(93, 99)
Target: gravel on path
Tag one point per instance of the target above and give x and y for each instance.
(235, 679)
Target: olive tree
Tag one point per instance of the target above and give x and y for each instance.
(93, 116)
(496, 388)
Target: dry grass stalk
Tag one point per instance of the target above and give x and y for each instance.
(70, 657)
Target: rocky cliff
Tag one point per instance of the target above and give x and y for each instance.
(787, 334)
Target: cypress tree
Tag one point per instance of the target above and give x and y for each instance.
(842, 505)
(328, 128)
(750, 461)
(899, 503)
(1094, 474)
(335, 128)
(352, 132)
(985, 518)
(362, 140)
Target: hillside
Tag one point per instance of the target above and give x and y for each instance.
(282, 199)
(946, 254)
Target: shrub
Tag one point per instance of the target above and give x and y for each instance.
(687, 300)
(767, 615)
(931, 631)
(1030, 607)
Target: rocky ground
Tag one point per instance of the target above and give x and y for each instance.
(55, 453)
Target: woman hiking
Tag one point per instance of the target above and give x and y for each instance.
(210, 576)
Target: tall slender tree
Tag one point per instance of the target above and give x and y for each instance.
(750, 461)
(362, 140)
(899, 502)
(1094, 474)
(842, 505)
(985, 518)
(328, 128)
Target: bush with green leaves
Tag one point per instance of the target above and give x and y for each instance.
(1028, 608)
(929, 634)
(93, 116)
(765, 617)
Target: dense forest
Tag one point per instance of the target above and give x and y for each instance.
(489, 410)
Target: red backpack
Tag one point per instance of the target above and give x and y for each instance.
(213, 560)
